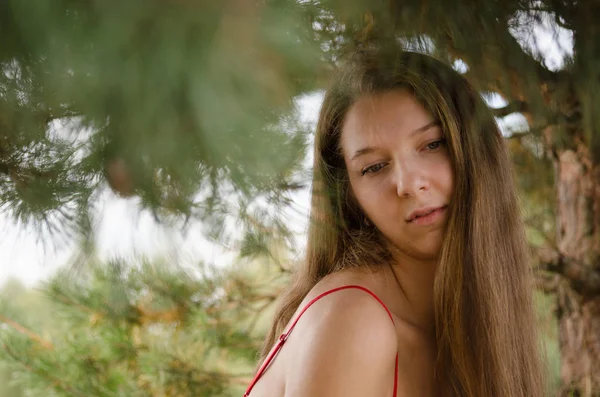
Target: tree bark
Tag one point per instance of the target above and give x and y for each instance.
(579, 339)
(578, 243)
(578, 200)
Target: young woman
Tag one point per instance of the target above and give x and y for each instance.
(416, 281)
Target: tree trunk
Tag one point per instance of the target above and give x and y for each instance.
(579, 338)
(578, 244)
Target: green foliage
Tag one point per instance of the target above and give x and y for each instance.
(177, 103)
(140, 330)
(535, 177)
(546, 306)
(7, 388)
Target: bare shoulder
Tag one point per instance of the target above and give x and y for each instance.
(345, 345)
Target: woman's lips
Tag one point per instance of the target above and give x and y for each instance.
(430, 218)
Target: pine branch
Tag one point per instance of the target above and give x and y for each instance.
(563, 16)
(170, 316)
(509, 60)
(65, 299)
(62, 114)
(513, 107)
(513, 87)
(563, 13)
(27, 332)
(22, 175)
(258, 312)
(56, 383)
(516, 135)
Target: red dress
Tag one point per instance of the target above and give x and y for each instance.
(283, 337)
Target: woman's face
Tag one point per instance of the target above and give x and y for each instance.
(400, 170)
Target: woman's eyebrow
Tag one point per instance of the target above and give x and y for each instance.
(420, 130)
(370, 149)
(363, 151)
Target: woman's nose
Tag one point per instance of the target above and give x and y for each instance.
(410, 180)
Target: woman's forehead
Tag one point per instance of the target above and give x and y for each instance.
(380, 117)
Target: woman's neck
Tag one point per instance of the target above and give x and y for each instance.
(415, 280)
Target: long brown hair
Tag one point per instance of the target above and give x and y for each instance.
(484, 318)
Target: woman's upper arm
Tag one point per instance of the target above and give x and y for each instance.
(346, 348)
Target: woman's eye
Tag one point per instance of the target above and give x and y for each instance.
(373, 169)
(435, 145)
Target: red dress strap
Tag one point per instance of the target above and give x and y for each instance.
(283, 337)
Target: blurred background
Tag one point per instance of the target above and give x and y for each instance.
(155, 162)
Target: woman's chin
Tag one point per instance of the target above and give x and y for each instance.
(422, 250)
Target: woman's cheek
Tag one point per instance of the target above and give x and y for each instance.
(375, 203)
